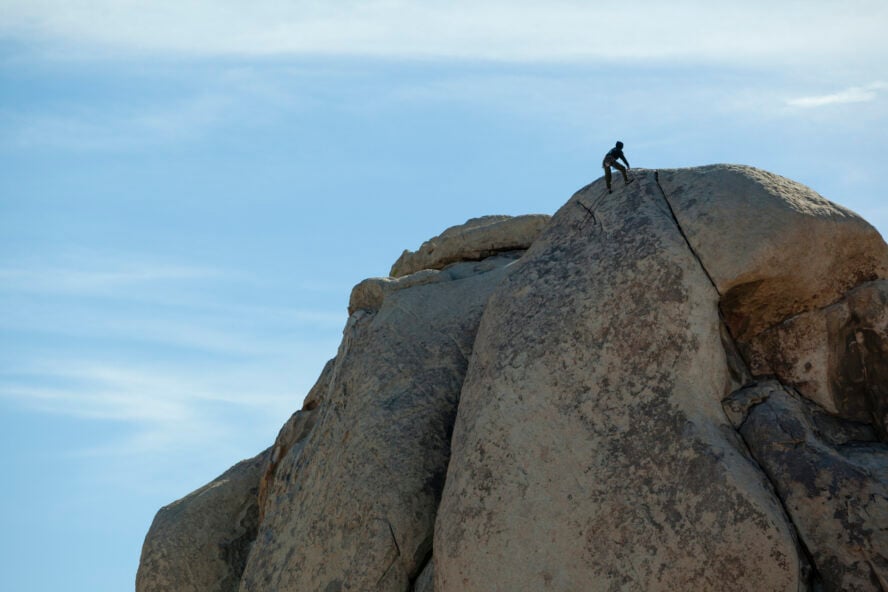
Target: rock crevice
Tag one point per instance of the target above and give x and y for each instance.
(837, 502)
(682, 232)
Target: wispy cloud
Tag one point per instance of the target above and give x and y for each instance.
(82, 126)
(229, 332)
(491, 29)
(854, 94)
(138, 300)
(98, 281)
(164, 405)
(116, 339)
(130, 392)
(146, 415)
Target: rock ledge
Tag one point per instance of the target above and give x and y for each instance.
(477, 239)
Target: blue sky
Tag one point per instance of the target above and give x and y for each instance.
(189, 192)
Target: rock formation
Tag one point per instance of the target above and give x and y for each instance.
(831, 477)
(374, 465)
(201, 541)
(682, 385)
(477, 239)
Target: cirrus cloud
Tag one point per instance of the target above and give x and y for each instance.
(491, 29)
(854, 94)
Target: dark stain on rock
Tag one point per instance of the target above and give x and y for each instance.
(859, 374)
(831, 485)
(740, 307)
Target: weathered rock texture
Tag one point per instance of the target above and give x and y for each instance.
(591, 426)
(476, 239)
(201, 541)
(831, 476)
(773, 247)
(291, 438)
(372, 469)
(836, 356)
(682, 385)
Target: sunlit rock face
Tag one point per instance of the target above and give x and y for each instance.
(201, 542)
(682, 385)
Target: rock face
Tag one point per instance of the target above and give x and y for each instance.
(773, 247)
(591, 423)
(201, 541)
(835, 356)
(373, 467)
(830, 475)
(291, 439)
(682, 385)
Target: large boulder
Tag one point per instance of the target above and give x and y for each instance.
(773, 247)
(201, 541)
(831, 476)
(356, 509)
(476, 239)
(591, 451)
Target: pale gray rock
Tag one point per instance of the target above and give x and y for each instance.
(355, 509)
(773, 247)
(201, 542)
(591, 450)
(836, 356)
(832, 476)
(477, 239)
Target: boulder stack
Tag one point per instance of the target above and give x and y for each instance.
(682, 385)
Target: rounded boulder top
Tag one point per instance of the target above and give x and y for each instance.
(477, 239)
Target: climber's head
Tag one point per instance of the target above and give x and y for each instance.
(619, 145)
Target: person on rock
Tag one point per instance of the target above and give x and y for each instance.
(610, 160)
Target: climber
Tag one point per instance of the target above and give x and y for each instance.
(610, 160)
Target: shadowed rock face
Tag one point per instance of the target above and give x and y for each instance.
(583, 415)
(836, 356)
(831, 476)
(426, 580)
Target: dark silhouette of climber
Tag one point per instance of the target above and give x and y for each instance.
(610, 160)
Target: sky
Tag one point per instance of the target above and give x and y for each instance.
(189, 190)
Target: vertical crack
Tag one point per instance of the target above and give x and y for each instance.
(682, 232)
(809, 573)
(397, 556)
(426, 563)
(731, 349)
(808, 568)
(394, 538)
